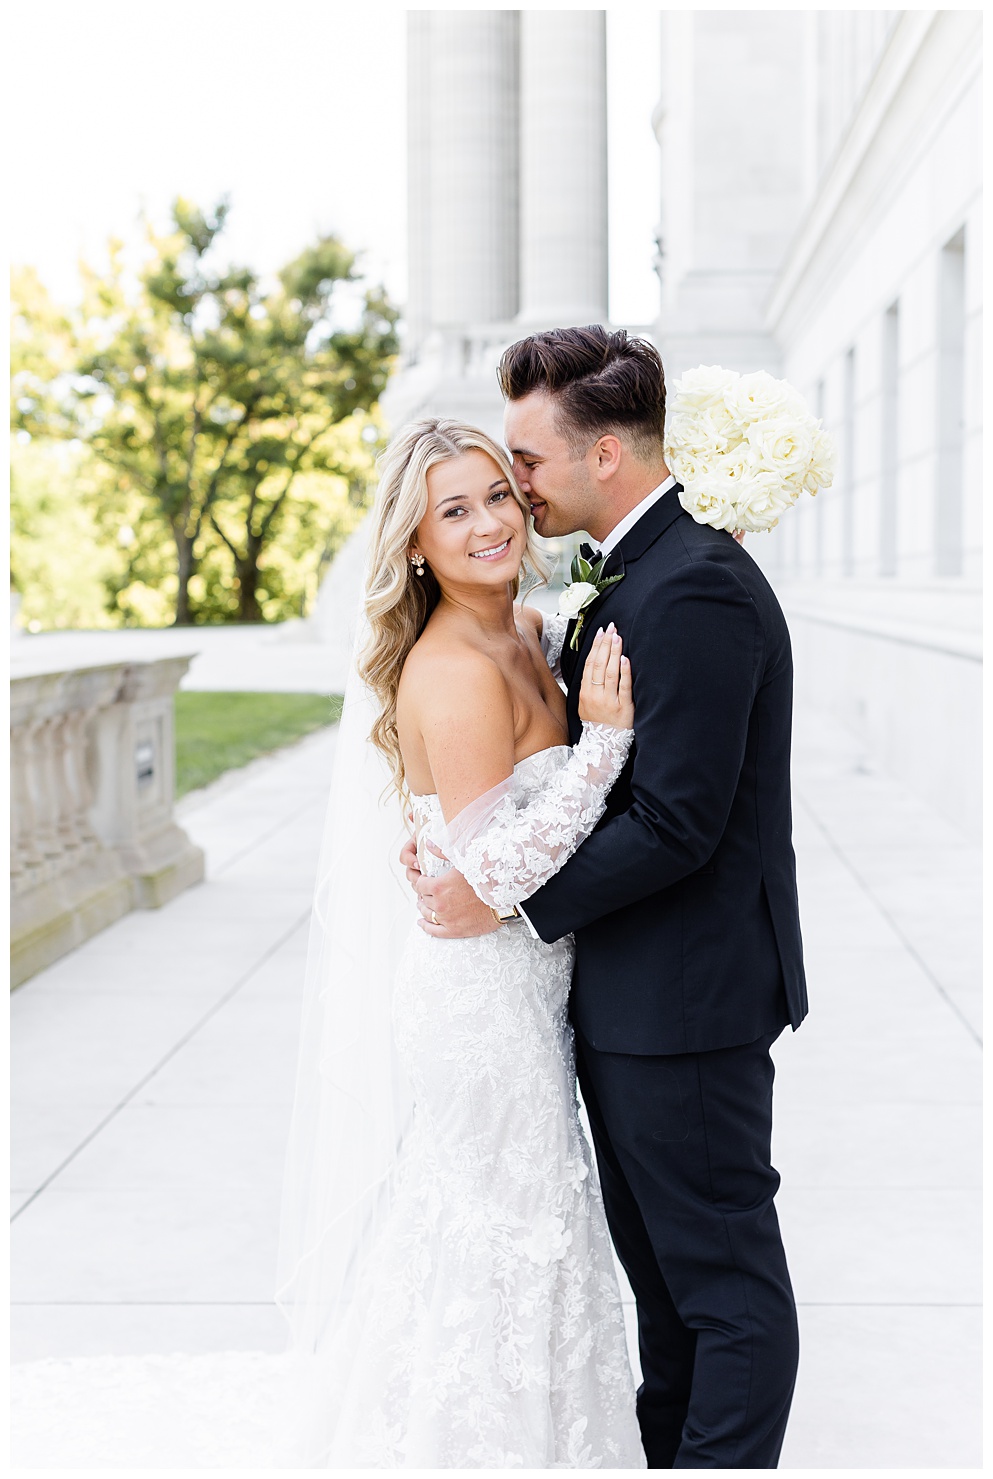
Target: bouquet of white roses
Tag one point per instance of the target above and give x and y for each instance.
(744, 447)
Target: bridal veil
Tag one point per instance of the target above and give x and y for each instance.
(352, 1105)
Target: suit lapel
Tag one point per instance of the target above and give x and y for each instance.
(650, 527)
(570, 659)
(567, 662)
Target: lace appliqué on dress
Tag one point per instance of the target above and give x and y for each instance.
(488, 1330)
(507, 844)
(553, 632)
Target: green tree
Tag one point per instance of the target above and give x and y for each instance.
(210, 393)
(60, 563)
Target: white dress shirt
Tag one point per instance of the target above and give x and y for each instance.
(612, 540)
(629, 520)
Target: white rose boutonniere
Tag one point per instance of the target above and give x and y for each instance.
(586, 583)
(575, 597)
(744, 448)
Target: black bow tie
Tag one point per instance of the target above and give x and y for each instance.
(589, 554)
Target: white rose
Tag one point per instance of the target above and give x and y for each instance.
(760, 394)
(711, 501)
(820, 473)
(760, 503)
(784, 444)
(687, 467)
(738, 465)
(575, 597)
(704, 386)
(702, 432)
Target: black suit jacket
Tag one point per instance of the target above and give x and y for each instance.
(683, 900)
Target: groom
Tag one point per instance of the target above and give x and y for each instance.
(682, 901)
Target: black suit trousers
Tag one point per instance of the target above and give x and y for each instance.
(684, 1154)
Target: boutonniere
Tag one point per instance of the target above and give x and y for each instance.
(585, 585)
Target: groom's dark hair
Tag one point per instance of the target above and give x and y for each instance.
(601, 382)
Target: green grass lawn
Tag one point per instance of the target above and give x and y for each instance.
(216, 732)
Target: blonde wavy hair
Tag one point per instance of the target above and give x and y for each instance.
(397, 601)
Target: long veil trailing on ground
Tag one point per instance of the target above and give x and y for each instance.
(352, 1104)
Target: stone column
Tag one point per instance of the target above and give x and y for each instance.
(731, 127)
(418, 316)
(463, 147)
(563, 167)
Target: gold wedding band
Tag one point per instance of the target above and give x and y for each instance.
(434, 918)
(601, 683)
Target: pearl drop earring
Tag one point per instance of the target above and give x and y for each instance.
(418, 563)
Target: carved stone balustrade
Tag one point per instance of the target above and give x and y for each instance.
(92, 833)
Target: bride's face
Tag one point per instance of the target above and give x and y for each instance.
(473, 532)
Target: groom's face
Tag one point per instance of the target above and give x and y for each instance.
(558, 485)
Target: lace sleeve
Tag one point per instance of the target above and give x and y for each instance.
(553, 630)
(508, 850)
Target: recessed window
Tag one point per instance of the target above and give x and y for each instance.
(889, 410)
(951, 407)
(848, 464)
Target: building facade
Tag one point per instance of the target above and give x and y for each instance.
(820, 217)
(876, 309)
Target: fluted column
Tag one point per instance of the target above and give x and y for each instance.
(563, 167)
(463, 147)
(419, 43)
(731, 127)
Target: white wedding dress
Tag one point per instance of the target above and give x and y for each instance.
(488, 1332)
(486, 1328)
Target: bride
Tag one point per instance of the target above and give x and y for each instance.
(451, 1275)
(444, 1257)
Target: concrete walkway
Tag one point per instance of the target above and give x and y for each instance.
(153, 1072)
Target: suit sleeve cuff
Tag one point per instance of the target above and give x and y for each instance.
(534, 933)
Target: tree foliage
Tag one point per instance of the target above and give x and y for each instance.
(237, 414)
(61, 564)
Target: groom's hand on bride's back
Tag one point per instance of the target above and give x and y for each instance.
(447, 899)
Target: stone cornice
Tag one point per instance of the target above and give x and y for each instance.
(911, 32)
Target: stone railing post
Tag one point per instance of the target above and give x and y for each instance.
(91, 828)
(134, 756)
(24, 851)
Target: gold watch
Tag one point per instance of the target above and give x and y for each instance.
(502, 915)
